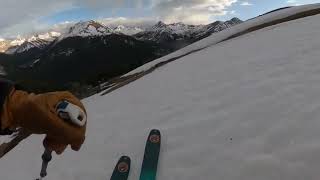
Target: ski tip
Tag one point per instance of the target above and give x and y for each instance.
(155, 131)
(125, 158)
(154, 136)
(122, 169)
(124, 164)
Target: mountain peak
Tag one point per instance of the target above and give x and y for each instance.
(235, 19)
(160, 24)
(86, 25)
(178, 24)
(94, 24)
(87, 28)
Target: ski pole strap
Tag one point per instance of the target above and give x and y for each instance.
(46, 158)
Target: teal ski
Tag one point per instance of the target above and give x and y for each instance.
(151, 156)
(122, 169)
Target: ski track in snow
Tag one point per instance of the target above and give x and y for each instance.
(246, 109)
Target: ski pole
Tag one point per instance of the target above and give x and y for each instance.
(71, 113)
(46, 158)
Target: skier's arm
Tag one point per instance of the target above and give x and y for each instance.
(37, 113)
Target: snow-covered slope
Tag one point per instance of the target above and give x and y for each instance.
(247, 108)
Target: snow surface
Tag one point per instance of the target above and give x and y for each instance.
(45, 36)
(32, 38)
(127, 30)
(56, 34)
(244, 109)
(49, 35)
(18, 41)
(35, 62)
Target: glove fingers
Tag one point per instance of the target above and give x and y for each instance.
(37, 114)
(54, 146)
(77, 145)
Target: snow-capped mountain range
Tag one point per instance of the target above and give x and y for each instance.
(177, 31)
(159, 32)
(21, 44)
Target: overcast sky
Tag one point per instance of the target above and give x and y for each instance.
(20, 17)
